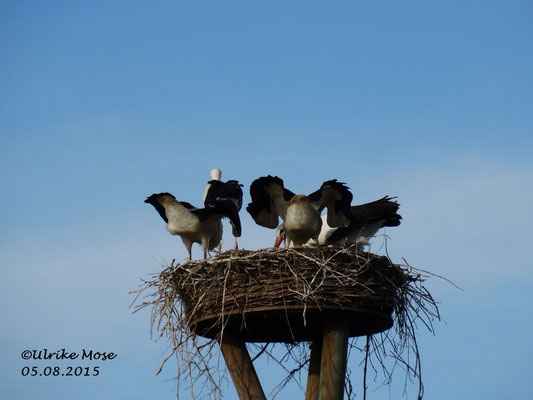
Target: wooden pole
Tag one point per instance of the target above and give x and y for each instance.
(313, 376)
(333, 365)
(241, 368)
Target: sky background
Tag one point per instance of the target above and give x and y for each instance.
(104, 103)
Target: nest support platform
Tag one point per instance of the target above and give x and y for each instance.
(289, 324)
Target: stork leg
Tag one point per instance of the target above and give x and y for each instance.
(188, 246)
(235, 244)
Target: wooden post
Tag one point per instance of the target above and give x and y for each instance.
(333, 365)
(241, 368)
(313, 375)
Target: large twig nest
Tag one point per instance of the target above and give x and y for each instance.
(284, 295)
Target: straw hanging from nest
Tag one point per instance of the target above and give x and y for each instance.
(284, 295)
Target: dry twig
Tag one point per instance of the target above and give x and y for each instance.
(205, 297)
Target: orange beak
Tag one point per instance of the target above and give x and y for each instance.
(279, 240)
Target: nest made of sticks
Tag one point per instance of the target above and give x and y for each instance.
(283, 295)
(276, 295)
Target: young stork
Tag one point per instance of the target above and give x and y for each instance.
(369, 219)
(300, 213)
(195, 225)
(216, 190)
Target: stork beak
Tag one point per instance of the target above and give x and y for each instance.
(279, 240)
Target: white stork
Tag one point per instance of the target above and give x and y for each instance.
(369, 218)
(216, 190)
(300, 213)
(195, 225)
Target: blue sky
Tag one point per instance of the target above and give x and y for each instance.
(104, 103)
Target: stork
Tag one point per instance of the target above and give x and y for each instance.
(300, 213)
(195, 225)
(216, 190)
(369, 218)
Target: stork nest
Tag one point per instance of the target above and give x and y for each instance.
(284, 295)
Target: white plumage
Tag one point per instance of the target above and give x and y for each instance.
(195, 225)
(368, 219)
(215, 174)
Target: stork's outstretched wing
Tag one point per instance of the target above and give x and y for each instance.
(336, 196)
(270, 201)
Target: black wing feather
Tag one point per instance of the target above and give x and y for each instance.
(262, 208)
(230, 190)
(384, 209)
(228, 209)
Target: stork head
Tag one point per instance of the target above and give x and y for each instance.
(216, 174)
(280, 235)
(300, 199)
